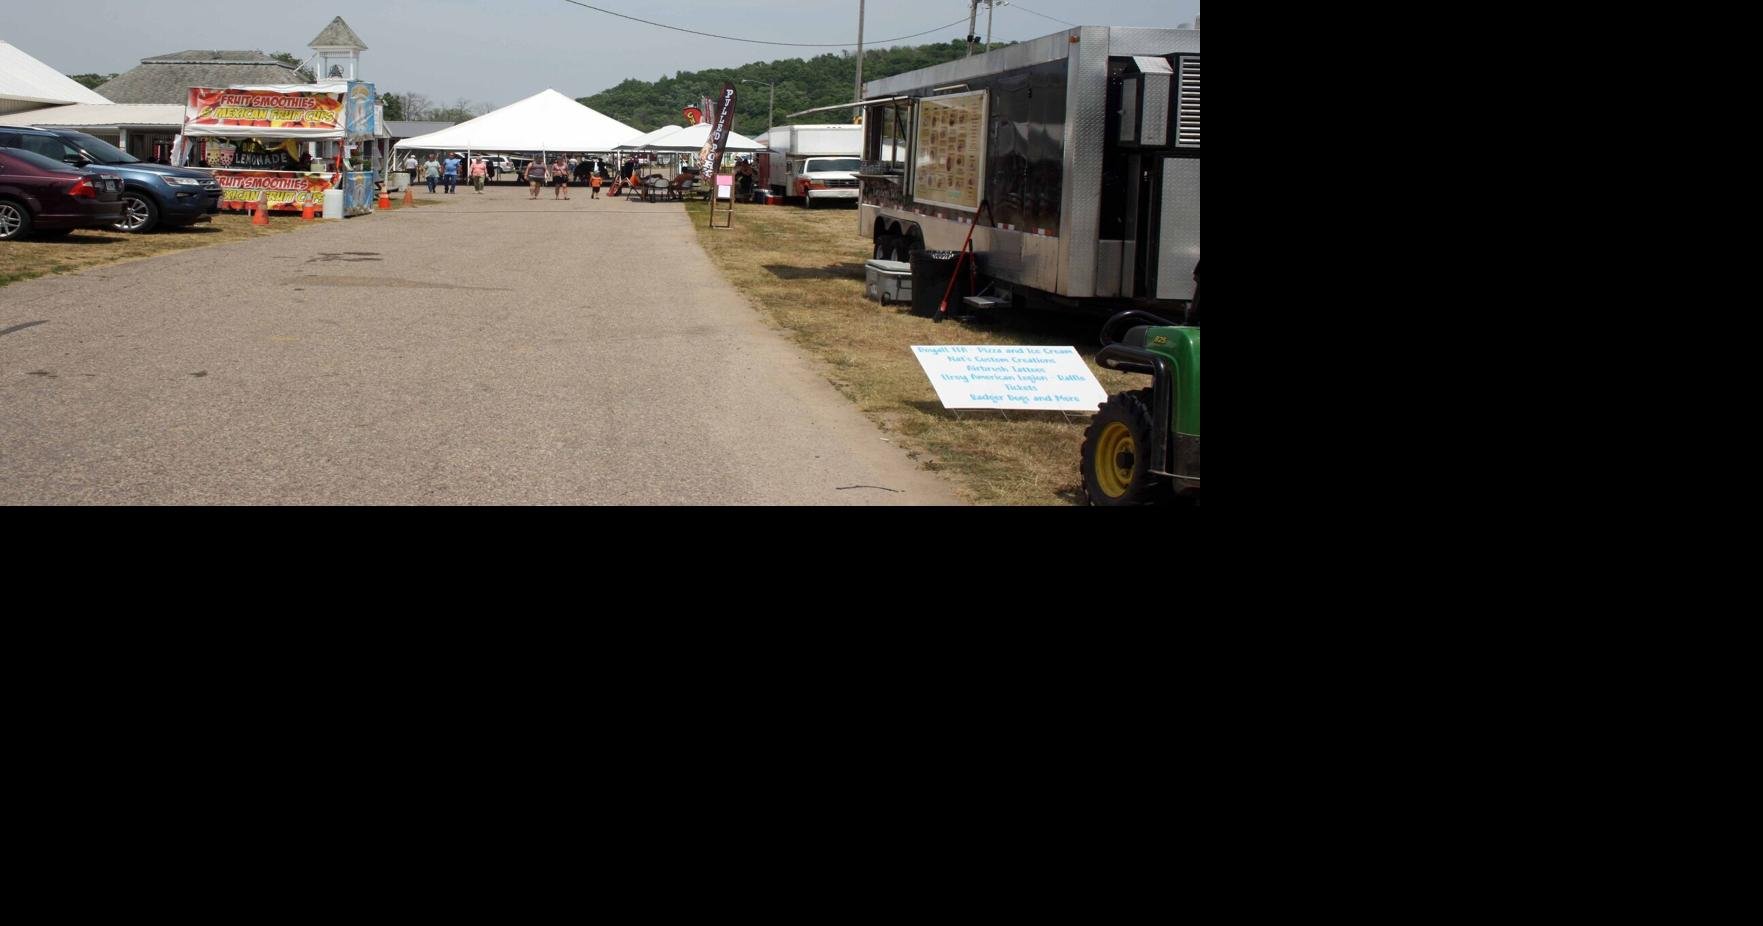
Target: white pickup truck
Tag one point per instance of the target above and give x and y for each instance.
(813, 162)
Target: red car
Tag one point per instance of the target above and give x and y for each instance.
(52, 198)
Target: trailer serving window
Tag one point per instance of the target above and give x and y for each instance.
(885, 131)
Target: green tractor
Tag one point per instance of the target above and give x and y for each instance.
(1143, 446)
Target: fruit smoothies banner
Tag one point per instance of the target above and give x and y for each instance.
(263, 112)
(278, 189)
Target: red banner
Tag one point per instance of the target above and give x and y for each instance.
(276, 189)
(263, 109)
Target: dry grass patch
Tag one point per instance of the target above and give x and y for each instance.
(35, 257)
(804, 269)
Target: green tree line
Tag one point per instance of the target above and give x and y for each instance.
(802, 83)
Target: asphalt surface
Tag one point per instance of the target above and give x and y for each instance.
(491, 350)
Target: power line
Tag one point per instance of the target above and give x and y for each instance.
(732, 38)
(1013, 5)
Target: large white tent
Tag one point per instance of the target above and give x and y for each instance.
(546, 121)
(641, 142)
(692, 138)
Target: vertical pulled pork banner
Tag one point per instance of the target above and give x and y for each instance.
(711, 153)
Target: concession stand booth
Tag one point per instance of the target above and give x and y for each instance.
(289, 146)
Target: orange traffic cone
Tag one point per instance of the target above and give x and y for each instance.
(306, 211)
(409, 200)
(260, 217)
(385, 199)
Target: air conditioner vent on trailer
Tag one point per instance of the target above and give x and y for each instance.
(1187, 118)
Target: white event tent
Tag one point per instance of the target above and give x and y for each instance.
(692, 138)
(641, 141)
(546, 121)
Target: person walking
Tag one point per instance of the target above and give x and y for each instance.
(410, 168)
(594, 185)
(535, 174)
(431, 171)
(450, 173)
(477, 174)
(559, 178)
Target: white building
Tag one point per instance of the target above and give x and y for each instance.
(142, 110)
(27, 84)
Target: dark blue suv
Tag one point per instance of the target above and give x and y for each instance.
(153, 194)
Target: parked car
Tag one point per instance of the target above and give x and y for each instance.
(152, 195)
(51, 198)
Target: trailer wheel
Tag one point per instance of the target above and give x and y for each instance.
(913, 241)
(1117, 450)
(886, 246)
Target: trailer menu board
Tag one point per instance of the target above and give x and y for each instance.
(950, 168)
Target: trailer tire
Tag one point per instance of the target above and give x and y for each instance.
(887, 247)
(913, 241)
(1116, 463)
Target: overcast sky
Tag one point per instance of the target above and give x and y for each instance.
(499, 51)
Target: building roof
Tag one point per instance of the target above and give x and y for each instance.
(337, 35)
(402, 129)
(83, 115)
(26, 79)
(205, 56)
(168, 78)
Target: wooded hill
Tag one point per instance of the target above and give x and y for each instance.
(802, 83)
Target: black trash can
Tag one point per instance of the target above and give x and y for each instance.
(930, 279)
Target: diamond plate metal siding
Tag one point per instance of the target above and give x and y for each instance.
(1086, 105)
(1023, 54)
(1040, 262)
(1156, 113)
(1178, 232)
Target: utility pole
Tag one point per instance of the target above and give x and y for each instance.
(989, 5)
(972, 17)
(771, 106)
(857, 96)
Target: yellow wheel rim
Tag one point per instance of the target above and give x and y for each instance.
(1114, 448)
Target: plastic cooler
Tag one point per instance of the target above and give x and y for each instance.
(888, 281)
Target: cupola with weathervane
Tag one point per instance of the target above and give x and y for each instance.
(339, 51)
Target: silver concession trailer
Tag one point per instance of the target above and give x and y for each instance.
(1073, 158)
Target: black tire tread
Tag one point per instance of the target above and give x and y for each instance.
(1134, 410)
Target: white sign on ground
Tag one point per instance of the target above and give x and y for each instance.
(997, 376)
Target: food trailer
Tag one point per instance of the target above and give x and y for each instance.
(284, 146)
(1073, 160)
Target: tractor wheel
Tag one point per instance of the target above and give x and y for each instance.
(1117, 452)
